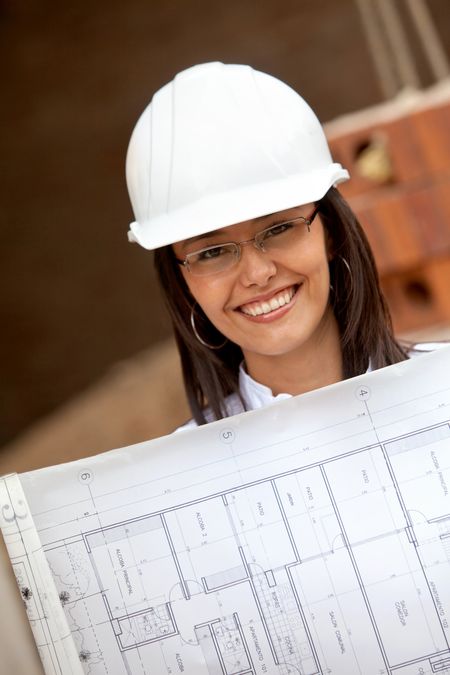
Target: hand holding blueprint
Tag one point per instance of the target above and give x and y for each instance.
(309, 537)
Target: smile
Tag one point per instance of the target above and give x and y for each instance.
(279, 300)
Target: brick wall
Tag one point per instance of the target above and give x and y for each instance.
(398, 155)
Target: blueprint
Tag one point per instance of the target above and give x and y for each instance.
(311, 537)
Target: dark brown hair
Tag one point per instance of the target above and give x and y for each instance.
(363, 318)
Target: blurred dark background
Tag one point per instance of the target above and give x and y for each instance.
(75, 296)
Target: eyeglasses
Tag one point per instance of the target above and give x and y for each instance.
(221, 257)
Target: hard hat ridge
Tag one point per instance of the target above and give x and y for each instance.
(221, 144)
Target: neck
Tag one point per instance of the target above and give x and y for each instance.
(312, 365)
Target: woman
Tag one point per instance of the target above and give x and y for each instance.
(268, 276)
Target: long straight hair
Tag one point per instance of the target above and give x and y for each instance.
(365, 327)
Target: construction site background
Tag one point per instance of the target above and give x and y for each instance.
(88, 363)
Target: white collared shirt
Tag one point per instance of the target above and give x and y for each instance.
(257, 395)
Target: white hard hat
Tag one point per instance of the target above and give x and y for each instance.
(219, 145)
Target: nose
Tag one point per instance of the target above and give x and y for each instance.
(255, 266)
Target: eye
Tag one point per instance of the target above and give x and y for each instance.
(211, 253)
(276, 230)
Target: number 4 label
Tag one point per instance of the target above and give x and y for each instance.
(363, 393)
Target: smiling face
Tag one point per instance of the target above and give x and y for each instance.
(269, 303)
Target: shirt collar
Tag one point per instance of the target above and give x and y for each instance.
(257, 395)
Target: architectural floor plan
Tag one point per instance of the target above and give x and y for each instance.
(312, 537)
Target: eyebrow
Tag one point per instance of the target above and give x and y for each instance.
(223, 229)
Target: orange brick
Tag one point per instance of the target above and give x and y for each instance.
(402, 246)
(441, 193)
(341, 150)
(347, 148)
(439, 272)
(431, 128)
(378, 241)
(417, 298)
(427, 219)
(406, 153)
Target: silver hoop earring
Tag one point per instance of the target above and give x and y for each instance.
(199, 338)
(345, 263)
(335, 293)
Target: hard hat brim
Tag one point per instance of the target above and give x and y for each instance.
(213, 212)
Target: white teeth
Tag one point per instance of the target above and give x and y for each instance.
(271, 305)
(274, 303)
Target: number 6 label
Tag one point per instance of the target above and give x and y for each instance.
(85, 477)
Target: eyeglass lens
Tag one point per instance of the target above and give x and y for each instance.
(214, 259)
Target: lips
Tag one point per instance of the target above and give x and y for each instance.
(268, 305)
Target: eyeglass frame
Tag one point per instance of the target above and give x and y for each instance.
(259, 245)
